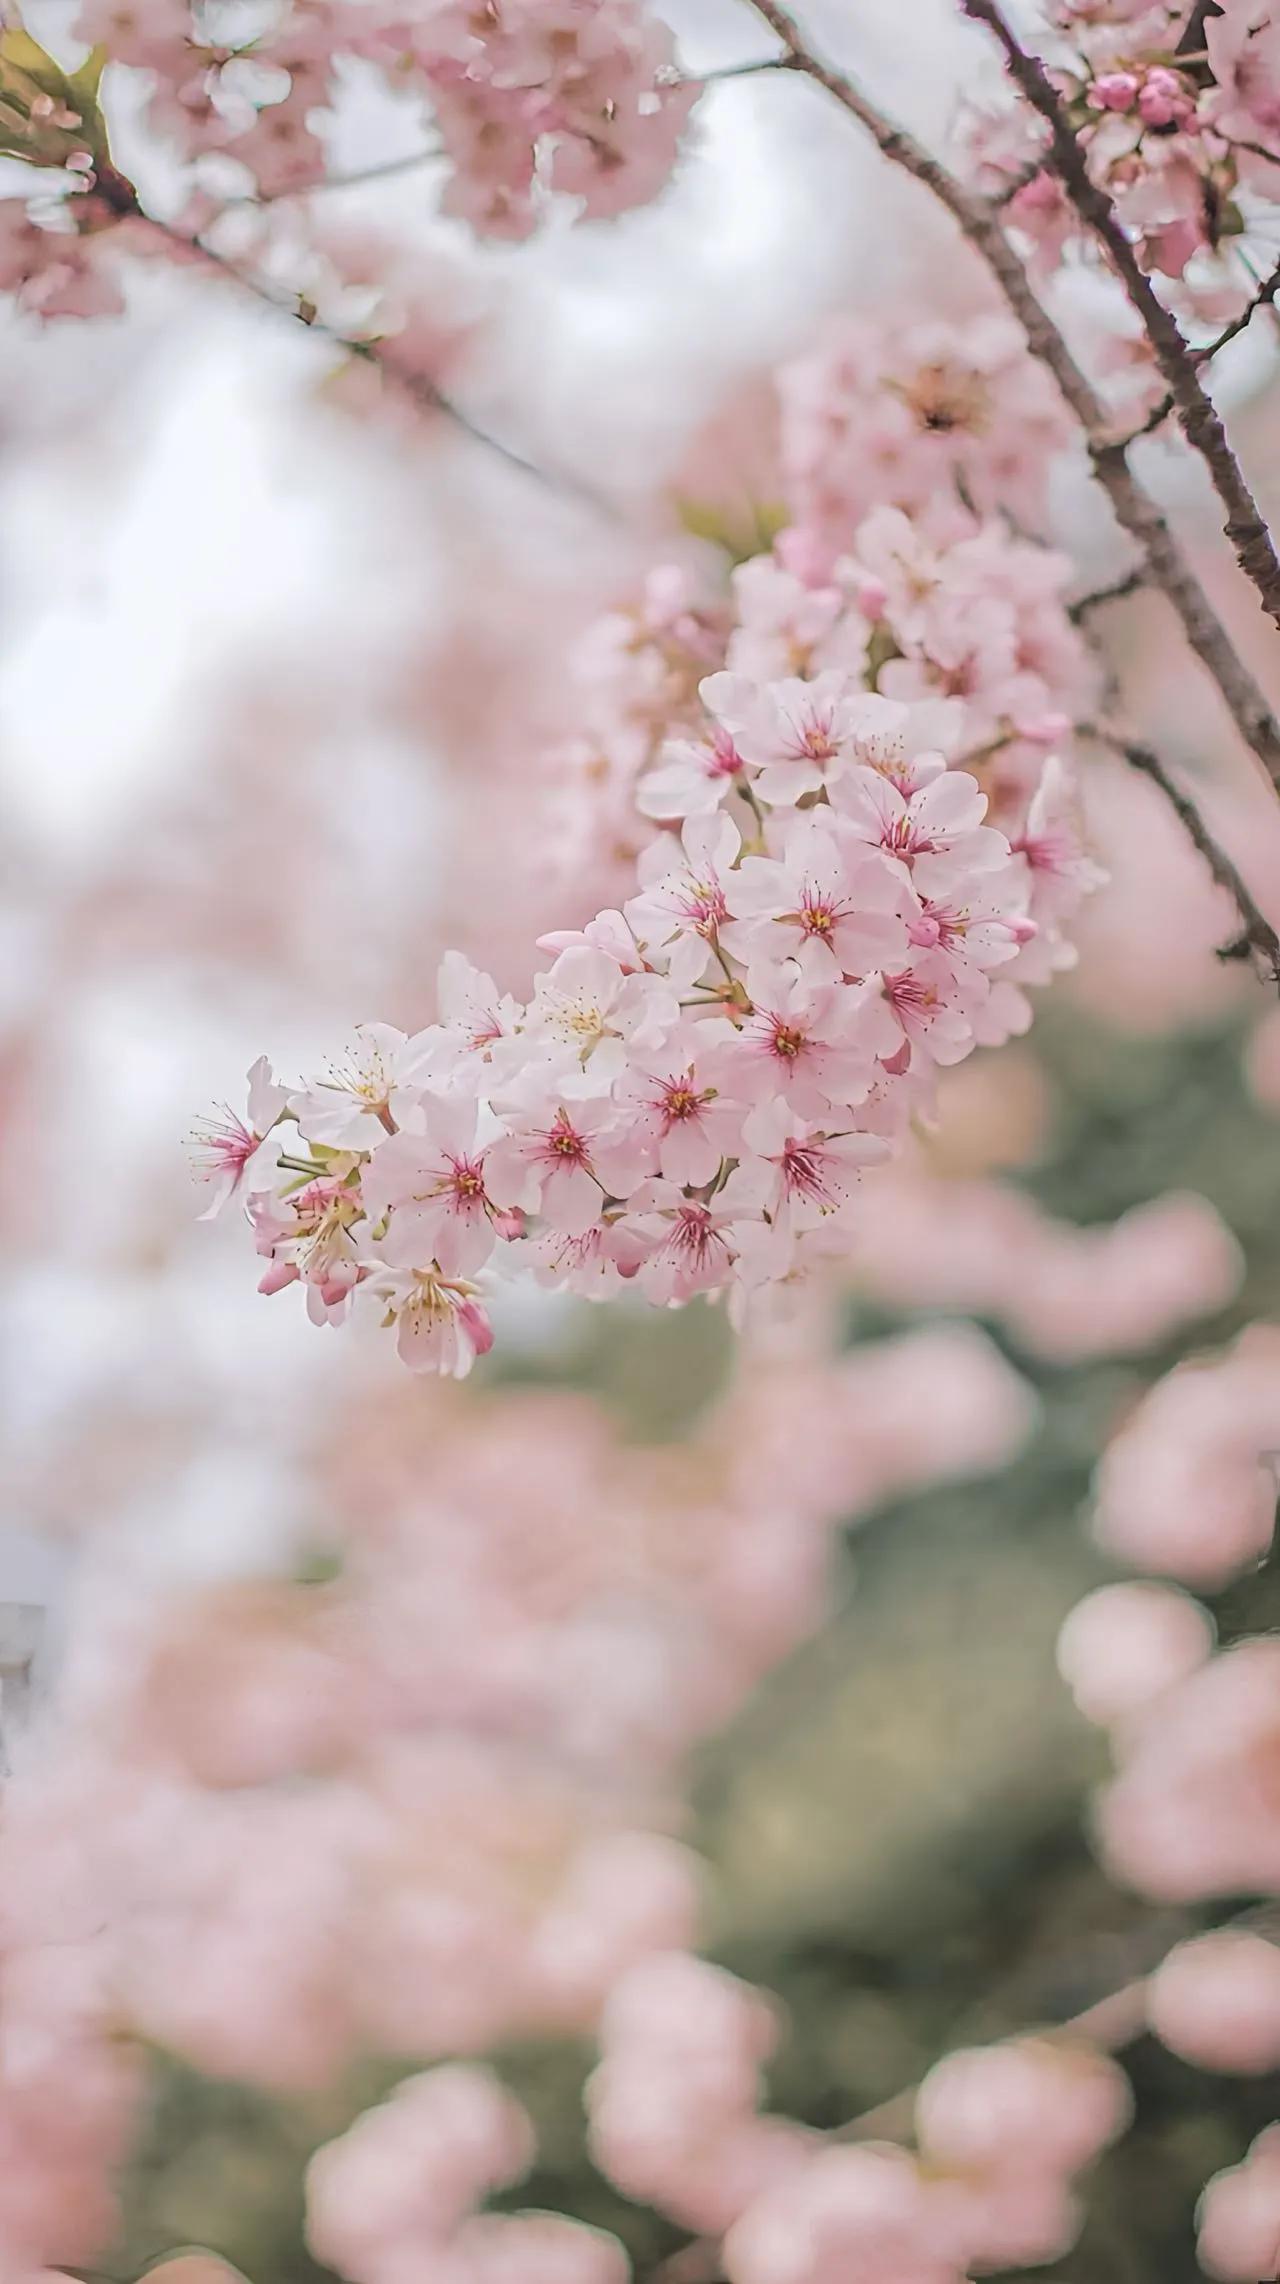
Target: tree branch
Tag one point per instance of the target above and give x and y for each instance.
(1257, 940)
(1139, 515)
(419, 387)
(1263, 298)
(1131, 583)
(1201, 425)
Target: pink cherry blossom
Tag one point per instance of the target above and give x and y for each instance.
(546, 1161)
(680, 1111)
(367, 1089)
(693, 776)
(387, 2195)
(682, 905)
(434, 1187)
(794, 736)
(587, 1013)
(816, 896)
(936, 835)
(808, 1041)
(440, 1324)
(227, 1146)
(812, 1178)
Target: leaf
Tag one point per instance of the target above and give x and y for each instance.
(22, 53)
(742, 532)
(85, 82)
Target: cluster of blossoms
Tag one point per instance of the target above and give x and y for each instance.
(692, 1092)
(891, 445)
(1001, 2132)
(924, 415)
(421, 1808)
(395, 2195)
(837, 841)
(1178, 111)
(530, 99)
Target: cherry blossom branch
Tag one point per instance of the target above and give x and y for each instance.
(1245, 527)
(1258, 940)
(1133, 508)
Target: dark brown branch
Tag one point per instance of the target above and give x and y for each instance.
(1201, 425)
(1263, 298)
(1138, 514)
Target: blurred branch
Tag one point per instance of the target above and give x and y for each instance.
(353, 181)
(980, 223)
(419, 387)
(1197, 414)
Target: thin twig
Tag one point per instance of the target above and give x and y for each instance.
(1131, 583)
(739, 71)
(1264, 297)
(1008, 191)
(1138, 513)
(407, 165)
(1258, 940)
(418, 386)
(1245, 526)
(1156, 418)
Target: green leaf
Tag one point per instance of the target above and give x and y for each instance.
(22, 53)
(742, 533)
(85, 82)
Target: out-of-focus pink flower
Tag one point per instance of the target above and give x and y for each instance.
(1032, 2105)
(1124, 1644)
(1188, 1486)
(1216, 2001)
(848, 2216)
(387, 2196)
(1193, 1809)
(1239, 2215)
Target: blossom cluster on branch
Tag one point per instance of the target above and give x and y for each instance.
(693, 1090)
(1177, 109)
(869, 849)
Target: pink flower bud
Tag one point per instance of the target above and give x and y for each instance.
(1164, 100)
(1216, 2001)
(1113, 91)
